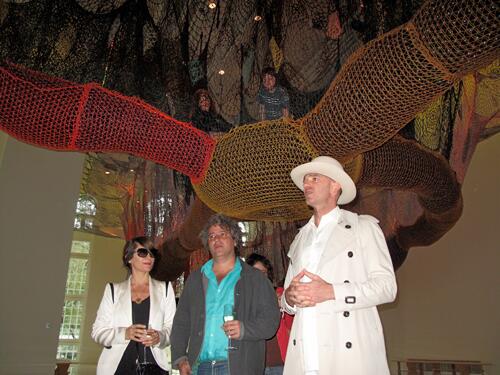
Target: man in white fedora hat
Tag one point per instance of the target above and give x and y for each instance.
(339, 271)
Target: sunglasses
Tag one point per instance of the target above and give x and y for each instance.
(143, 252)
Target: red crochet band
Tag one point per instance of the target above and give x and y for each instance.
(60, 115)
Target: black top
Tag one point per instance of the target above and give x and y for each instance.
(135, 350)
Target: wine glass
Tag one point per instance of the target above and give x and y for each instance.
(229, 315)
(148, 327)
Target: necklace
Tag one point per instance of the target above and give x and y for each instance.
(141, 292)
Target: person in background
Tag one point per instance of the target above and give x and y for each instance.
(204, 117)
(340, 270)
(135, 316)
(272, 98)
(207, 339)
(276, 346)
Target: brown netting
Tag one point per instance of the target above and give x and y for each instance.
(378, 91)
(100, 7)
(380, 88)
(423, 200)
(61, 115)
(385, 83)
(405, 165)
(180, 247)
(461, 34)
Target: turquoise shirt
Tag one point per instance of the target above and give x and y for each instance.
(215, 341)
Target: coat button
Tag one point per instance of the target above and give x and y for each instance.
(350, 254)
(348, 345)
(346, 314)
(348, 226)
(346, 281)
(350, 299)
(294, 342)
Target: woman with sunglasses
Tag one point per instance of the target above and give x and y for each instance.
(135, 317)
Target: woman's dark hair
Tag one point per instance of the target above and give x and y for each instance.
(129, 249)
(196, 99)
(269, 71)
(226, 223)
(255, 258)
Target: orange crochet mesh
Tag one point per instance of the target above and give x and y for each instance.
(249, 174)
(382, 87)
(378, 91)
(385, 83)
(61, 115)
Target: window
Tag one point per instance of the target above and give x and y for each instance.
(179, 286)
(74, 303)
(86, 206)
(67, 352)
(245, 229)
(86, 209)
(72, 320)
(80, 247)
(76, 285)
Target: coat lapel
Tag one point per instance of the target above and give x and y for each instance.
(340, 239)
(154, 300)
(123, 303)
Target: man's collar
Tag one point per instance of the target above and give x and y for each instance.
(331, 216)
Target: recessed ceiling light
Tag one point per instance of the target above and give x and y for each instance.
(107, 172)
(257, 18)
(212, 4)
(131, 170)
(222, 72)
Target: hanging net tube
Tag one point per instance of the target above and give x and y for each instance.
(60, 115)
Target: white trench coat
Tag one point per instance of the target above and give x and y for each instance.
(350, 337)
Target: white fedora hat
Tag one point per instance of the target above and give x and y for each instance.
(329, 167)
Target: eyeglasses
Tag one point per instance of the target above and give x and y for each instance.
(221, 235)
(143, 252)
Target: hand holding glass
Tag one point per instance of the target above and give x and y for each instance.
(147, 335)
(229, 316)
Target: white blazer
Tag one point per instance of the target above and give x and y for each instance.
(350, 337)
(113, 318)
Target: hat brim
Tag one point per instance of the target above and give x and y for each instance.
(326, 169)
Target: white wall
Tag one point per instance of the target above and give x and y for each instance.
(448, 305)
(105, 266)
(38, 194)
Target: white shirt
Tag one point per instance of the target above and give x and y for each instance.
(315, 242)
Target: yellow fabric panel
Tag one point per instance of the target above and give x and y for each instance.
(276, 54)
(488, 94)
(427, 125)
